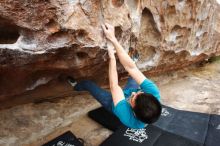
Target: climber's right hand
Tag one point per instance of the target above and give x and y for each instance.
(109, 31)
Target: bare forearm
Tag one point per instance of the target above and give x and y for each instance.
(113, 75)
(116, 91)
(128, 63)
(123, 56)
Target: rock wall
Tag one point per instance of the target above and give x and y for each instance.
(42, 39)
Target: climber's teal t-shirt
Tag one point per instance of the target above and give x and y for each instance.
(123, 109)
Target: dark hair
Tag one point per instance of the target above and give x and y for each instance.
(147, 108)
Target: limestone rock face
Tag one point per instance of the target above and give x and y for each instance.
(39, 39)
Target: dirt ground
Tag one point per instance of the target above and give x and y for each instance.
(193, 89)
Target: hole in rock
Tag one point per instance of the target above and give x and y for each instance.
(9, 32)
(133, 53)
(117, 3)
(56, 35)
(129, 16)
(148, 53)
(179, 34)
(82, 35)
(118, 32)
(59, 38)
(205, 34)
(176, 28)
(171, 10)
(133, 41)
(149, 32)
(180, 29)
(82, 55)
(52, 26)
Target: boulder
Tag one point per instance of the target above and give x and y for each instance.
(45, 40)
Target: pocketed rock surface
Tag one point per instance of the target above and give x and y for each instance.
(192, 89)
(42, 39)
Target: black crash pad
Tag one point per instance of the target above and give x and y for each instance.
(188, 126)
(105, 118)
(149, 136)
(213, 134)
(66, 139)
(191, 125)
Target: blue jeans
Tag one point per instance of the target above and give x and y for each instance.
(102, 96)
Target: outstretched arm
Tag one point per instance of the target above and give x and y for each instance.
(123, 56)
(116, 91)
